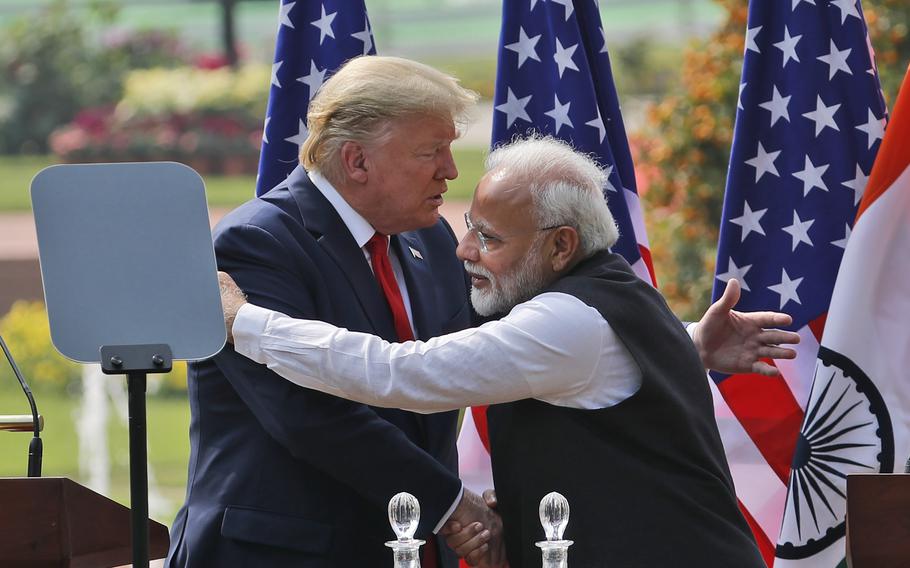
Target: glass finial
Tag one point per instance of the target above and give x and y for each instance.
(554, 515)
(404, 515)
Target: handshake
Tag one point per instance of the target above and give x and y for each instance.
(474, 531)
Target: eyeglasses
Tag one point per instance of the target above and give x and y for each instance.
(491, 241)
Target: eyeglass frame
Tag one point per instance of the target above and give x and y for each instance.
(483, 239)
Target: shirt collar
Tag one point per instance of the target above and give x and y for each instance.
(359, 227)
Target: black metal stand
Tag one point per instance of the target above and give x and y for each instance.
(136, 361)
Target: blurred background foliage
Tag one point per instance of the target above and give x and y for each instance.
(62, 61)
(683, 148)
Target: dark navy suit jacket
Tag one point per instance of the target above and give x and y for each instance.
(284, 476)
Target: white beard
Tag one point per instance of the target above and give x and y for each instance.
(507, 290)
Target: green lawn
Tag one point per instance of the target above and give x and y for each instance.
(168, 422)
(16, 173)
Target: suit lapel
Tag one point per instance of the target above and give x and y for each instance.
(333, 236)
(420, 284)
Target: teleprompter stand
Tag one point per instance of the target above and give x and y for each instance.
(136, 361)
(130, 281)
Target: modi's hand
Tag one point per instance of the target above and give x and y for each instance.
(474, 531)
(729, 341)
(232, 299)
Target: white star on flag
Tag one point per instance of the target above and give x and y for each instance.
(750, 221)
(603, 35)
(811, 176)
(763, 162)
(857, 184)
(738, 272)
(836, 60)
(598, 123)
(325, 25)
(786, 289)
(560, 114)
(796, 3)
(284, 18)
(847, 8)
(265, 129)
(874, 128)
(563, 57)
(750, 39)
(515, 108)
(275, 68)
(842, 243)
(314, 80)
(778, 107)
(366, 36)
(799, 230)
(739, 99)
(301, 135)
(609, 172)
(567, 4)
(524, 47)
(788, 46)
(823, 116)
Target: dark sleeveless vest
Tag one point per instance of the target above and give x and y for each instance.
(647, 481)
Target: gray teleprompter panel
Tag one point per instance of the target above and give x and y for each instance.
(127, 259)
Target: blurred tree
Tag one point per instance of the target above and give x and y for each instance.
(63, 60)
(685, 146)
(27, 333)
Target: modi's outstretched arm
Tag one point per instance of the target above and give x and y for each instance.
(739, 342)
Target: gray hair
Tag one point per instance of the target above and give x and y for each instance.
(566, 187)
(365, 95)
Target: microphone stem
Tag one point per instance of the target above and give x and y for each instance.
(35, 447)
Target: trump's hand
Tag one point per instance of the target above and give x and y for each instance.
(736, 342)
(474, 531)
(232, 299)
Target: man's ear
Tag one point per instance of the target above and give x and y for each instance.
(353, 161)
(566, 245)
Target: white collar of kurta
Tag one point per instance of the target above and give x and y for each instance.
(359, 227)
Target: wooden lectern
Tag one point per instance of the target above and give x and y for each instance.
(54, 521)
(878, 520)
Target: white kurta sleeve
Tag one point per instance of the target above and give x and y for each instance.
(546, 347)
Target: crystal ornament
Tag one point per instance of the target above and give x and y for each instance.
(554, 516)
(404, 516)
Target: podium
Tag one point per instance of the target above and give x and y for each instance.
(54, 521)
(878, 520)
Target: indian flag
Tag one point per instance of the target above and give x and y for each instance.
(858, 416)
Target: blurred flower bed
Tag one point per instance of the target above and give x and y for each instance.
(210, 119)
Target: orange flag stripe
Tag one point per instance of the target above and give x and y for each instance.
(893, 157)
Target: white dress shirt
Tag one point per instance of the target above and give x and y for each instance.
(553, 348)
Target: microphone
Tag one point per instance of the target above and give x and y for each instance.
(35, 449)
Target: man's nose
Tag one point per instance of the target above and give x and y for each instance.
(468, 248)
(447, 168)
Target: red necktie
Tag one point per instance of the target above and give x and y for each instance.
(378, 247)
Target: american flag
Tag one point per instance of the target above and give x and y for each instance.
(313, 40)
(809, 122)
(554, 78)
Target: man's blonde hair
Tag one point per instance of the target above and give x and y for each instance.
(365, 95)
